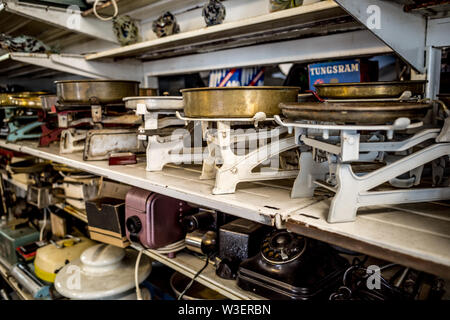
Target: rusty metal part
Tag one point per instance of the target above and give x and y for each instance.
(236, 102)
(349, 112)
(90, 92)
(369, 90)
(101, 143)
(155, 103)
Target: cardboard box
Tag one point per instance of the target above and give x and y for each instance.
(342, 71)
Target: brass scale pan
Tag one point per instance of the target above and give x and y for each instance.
(22, 99)
(364, 112)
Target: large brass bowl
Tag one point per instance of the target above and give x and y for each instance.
(369, 90)
(85, 92)
(236, 102)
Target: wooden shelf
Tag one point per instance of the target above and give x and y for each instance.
(298, 21)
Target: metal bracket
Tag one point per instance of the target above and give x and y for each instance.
(72, 140)
(404, 32)
(238, 168)
(310, 170)
(21, 133)
(61, 18)
(354, 192)
(170, 149)
(101, 143)
(77, 64)
(164, 150)
(41, 197)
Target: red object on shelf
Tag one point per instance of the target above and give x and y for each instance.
(122, 158)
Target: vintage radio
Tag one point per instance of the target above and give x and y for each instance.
(154, 220)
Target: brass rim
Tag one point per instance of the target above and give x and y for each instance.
(95, 80)
(240, 88)
(368, 84)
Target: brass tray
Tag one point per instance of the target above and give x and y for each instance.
(369, 90)
(30, 102)
(236, 102)
(14, 99)
(86, 92)
(358, 113)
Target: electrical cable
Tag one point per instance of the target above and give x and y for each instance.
(193, 279)
(173, 247)
(116, 10)
(41, 234)
(136, 275)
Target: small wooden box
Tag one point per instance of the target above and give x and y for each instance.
(106, 221)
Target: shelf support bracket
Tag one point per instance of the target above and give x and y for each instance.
(405, 33)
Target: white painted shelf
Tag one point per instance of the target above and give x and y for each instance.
(416, 236)
(243, 31)
(254, 201)
(189, 265)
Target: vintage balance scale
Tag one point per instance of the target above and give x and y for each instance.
(379, 123)
(168, 139)
(95, 119)
(226, 114)
(26, 118)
